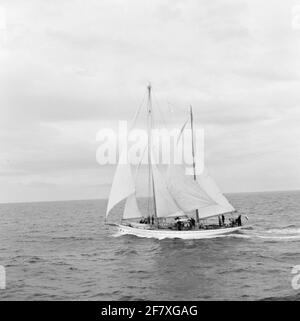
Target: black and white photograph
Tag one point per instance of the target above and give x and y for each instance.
(150, 151)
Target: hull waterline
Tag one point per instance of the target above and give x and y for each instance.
(172, 234)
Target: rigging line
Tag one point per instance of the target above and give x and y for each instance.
(172, 107)
(140, 163)
(138, 167)
(137, 113)
(136, 171)
(160, 109)
(133, 121)
(182, 130)
(132, 125)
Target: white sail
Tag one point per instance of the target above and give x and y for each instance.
(131, 209)
(187, 193)
(122, 186)
(165, 204)
(222, 205)
(202, 194)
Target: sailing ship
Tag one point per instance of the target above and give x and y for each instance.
(179, 205)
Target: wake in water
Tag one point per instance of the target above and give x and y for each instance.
(277, 234)
(284, 231)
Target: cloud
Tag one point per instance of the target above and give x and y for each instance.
(70, 68)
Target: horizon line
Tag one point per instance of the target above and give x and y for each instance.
(106, 198)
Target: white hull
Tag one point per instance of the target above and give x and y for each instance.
(187, 235)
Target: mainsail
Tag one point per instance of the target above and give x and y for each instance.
(165, 204)
(222, 205)
(202, 195)
(188, 193)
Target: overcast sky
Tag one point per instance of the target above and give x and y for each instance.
(70, 68)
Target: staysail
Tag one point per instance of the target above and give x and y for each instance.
(131, 209)
(123, 184)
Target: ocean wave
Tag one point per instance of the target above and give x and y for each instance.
(72, 238)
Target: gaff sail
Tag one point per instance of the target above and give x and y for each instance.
(202, 194)
(222, 204)
(188, 193)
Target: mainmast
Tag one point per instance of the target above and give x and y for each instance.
(150, 174)
(193, 154)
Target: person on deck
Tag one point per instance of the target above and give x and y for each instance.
(220, 221)
(179, 225)
(192, 222)
(223, 220)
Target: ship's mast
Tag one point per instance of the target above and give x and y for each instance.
(193, 154)
(150, 174)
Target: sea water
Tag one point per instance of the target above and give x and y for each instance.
(63, 251)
